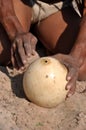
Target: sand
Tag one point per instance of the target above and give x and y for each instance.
(17, 113)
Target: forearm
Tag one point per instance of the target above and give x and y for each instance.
(9, 19)
(79, 49)
(12, 26)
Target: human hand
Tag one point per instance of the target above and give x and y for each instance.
(73, 70)
(23, 49)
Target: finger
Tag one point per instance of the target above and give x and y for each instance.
(62, 57)
(27, 48)
(13, 61)
(30, 44)
(33, 42)
(21, 51)
(71, 90)
(70, 74)
(34, 53)
(71, 83)
(33, 57)
(12, 56)
(18, 60)
(71, 86)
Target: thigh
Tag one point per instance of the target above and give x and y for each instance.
(58, 32)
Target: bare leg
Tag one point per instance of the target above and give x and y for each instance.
(58, 33)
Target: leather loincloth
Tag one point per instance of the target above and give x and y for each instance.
(42, 10)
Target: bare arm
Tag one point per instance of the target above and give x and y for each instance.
(9, 20)
(79, 49)
(22, 43)
(76, 58)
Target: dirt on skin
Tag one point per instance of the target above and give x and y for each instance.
(17, 113)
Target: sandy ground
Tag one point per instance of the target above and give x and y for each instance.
(17, 113)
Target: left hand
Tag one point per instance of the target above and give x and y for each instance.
(73, 70)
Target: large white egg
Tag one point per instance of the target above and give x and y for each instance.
(44, 82)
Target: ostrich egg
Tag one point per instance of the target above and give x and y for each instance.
(44, 82)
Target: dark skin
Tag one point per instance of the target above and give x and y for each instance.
(63, 27)
(17, 32)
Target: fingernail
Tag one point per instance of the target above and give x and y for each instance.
(24, 61)
(33, 52)
(68, 87)
(68, 78)
(29, 54)
(69, 95)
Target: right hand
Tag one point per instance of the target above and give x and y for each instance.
(23, 49)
